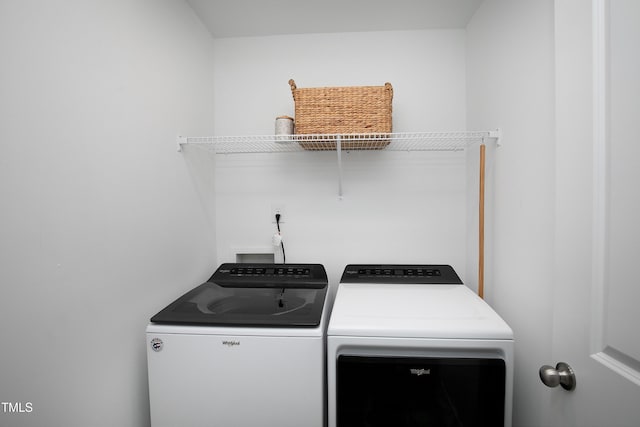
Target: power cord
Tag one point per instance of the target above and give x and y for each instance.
(284, 257)
(281, 302)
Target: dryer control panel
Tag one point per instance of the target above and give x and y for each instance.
(400, 273)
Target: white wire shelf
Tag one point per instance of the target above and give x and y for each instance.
(414, 141)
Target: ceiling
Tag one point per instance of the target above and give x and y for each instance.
(242, 18)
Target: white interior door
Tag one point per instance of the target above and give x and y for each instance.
(596, 320)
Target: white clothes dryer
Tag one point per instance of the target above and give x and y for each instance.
(246, 348)
(410, 345)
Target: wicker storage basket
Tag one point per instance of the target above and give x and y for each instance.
(343, 110)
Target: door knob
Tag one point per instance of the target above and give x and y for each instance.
(561, 375)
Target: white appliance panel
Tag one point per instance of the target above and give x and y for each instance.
(215, 380)
(421, 311)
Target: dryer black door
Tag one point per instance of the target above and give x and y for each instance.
(408, 392)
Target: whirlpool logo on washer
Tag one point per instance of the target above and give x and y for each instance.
(420, 372)
(156, 344)
(230, 343)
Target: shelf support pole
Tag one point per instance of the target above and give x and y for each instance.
(481, 222)
(339, 151)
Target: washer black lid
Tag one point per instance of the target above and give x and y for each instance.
(262, 295)
(400, 273)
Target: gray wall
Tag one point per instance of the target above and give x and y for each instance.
(101, 221)
(510, 77)
(396, 206)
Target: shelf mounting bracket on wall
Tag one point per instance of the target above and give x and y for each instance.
(497, 135)
(339, 154)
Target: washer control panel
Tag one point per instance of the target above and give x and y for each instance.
(271, 275)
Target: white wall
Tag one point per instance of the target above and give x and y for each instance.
(426, 69)
(510, 80)
(102, 222)
(397, 207)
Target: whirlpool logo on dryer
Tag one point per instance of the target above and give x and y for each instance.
(230, 343)
(420, 372)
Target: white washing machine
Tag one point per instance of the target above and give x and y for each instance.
(246, 348)
(410, 345)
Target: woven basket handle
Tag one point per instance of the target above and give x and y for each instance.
(388, 87)
(293, 85)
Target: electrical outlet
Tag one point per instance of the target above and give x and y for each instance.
(277, 209)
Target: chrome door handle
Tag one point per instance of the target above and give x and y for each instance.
(561, 375)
